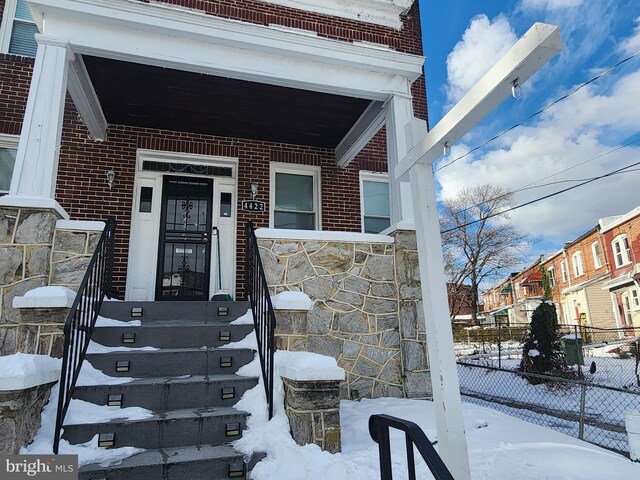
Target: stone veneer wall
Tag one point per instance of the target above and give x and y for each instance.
(26, 240)
(20, 416)
(359, 316)
(34, 253)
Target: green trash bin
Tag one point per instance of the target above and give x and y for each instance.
(572, 348)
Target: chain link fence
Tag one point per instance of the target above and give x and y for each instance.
(590, 412)
(609, 357)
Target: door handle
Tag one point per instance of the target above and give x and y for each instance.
(205, 237)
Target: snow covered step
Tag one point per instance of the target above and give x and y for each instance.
(204, 462)
(175, 428)
(150, 312)
(171, 362)
(171, 334)
(167, 393)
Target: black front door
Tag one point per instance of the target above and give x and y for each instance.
(184, 256)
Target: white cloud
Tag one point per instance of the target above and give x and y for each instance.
(549, 4)
(482, 44)
(586, 125)
(631, 45)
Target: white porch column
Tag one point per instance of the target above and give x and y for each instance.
(452, 444)
(399, 113)
(34, 174)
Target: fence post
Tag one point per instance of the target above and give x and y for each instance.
(583, 398)
(499, 344)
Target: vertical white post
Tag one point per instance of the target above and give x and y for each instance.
(34, 174)
(452, 443)
(399, 112)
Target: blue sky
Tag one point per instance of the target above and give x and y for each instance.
(463, 38)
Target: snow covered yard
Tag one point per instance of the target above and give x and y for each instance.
(500, 447)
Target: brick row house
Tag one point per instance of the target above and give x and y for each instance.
(184, 119)
(593, 278)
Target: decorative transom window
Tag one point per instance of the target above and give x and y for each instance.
(8, 151)
(374, 202)
(552, 276)
(597, 259)
(295, 196)
(578, 266)
(563, 271)
(621, 250)
(18, 29)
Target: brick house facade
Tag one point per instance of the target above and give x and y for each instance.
(621, 237)
(80, 187)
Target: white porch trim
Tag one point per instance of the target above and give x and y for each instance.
(86, 100)
(174, 37)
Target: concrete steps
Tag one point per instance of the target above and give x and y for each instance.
(189, 383)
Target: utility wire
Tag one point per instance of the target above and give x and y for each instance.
(532, 185)
(539, 199)
(522, 122)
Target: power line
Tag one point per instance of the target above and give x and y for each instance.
(529, 186)
(533, 115)
(539, 199)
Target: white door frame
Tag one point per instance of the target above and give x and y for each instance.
(145, 227)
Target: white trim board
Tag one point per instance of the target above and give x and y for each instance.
(175, 37)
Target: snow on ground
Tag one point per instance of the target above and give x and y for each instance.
(500, 447)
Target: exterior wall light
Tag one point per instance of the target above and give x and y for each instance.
(111, 179)
(516, 89)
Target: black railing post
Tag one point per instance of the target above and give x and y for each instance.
(379, 426)
(264, 319)
(78, 326)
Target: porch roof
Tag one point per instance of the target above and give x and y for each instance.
(148, 96)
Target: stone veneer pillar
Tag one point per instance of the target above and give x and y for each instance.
(26, 240)
(413, 341)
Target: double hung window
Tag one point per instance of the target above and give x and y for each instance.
(295, 197)
(18, 30)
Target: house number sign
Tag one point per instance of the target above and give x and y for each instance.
(252, 206)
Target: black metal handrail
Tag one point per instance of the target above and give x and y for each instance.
(264, 319)
(81, 319)
(379, 426)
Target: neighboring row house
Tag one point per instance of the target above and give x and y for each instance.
(593, 279)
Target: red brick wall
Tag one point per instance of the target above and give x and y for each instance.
(84, 194)
(631, 228)
(15, 76)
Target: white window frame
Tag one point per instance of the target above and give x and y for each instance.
(625, 253)
(8, 17)
(635, 299)
(578, 264)
(296, 169)
(563, 270)
(368, 176)
(9, 141)
(552, 276)
(597, 258)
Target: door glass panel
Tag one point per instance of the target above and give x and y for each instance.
(184, 239)
(146, 198)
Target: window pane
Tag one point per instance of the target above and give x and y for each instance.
(375, 225)
(296, 221)
(7, 160)
(376, 198)
(22, 41)
(22, 11)
(294, 192)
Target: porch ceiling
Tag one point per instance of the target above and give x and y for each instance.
(148, 96)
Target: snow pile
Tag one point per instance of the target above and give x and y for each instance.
(89, 375)
(88, 452)
(303, 366)
(291, 301)
(98, 348)
(21, 370)
(110, 322)
(44, 297)
(246, 319)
